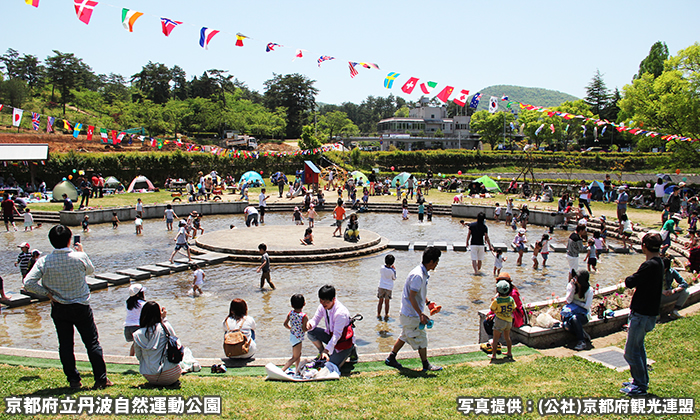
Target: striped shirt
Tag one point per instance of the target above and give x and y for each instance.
(62, 273)
(23, 260)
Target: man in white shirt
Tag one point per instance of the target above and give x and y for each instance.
(337, 317)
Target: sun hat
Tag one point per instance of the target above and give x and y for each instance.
(36, 251)
(522, 231)
(503, 276)
(135, 289)
(676, 217)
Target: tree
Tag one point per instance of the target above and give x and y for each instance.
(297, 94)
(66, 72)
(154, 82)
(14, 92)
(9, 62)
(307, 140)
(597, 94)
(335, 123)
(654, 62)
(490, 126)
(114, 88)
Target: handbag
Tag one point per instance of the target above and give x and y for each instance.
(173, 351)
(235, 342)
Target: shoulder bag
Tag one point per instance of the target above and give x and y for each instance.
(235, 342)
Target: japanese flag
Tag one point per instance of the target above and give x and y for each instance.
(16, 116)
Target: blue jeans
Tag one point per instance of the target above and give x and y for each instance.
(65, 318)
(575, 325)
(635, 353)
(338, 357)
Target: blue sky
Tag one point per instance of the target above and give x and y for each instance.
(466, 44)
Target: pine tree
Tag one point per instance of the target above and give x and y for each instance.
(597, 94)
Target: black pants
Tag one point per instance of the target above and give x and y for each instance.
(65, 317)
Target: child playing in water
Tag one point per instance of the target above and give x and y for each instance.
(387, 276)
(296, 324)
(429, 212)
(519, 242)
(86, 223)
(28, 220)
(535, 252)
(298, 220)
(498, 260)
(198, 280)
(308, 237)
(311, 215)
(591, 256)
(503, 305)
(600, 244)
(138, 223)
(545, 249)
(497, 213)
(115, 220)
(168, 216)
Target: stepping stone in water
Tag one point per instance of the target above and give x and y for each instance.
(459, 246)
(174, 267)
(500, 246)
(135, 274)
(401, 245)
(155, 270)
(442, 246)
(96, 284)
(419, 246)
(17, 299)
(113, 278)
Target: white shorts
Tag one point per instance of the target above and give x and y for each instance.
(411, 334)
(573, 262)
(478, 252)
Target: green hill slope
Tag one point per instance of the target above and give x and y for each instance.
(533, 96)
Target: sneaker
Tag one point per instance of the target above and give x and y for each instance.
(580, 346)
(392, 362)
(633, 391)
(586, 336)
(386, 318)
(675, 314)
(102, 385)
(76, 385)
(431, 368)
(627, 383)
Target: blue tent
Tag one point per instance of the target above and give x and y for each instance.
(253, 178)
(669, 189)
(597, 189)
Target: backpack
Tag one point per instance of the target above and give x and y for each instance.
(235, 342)
(173, 351)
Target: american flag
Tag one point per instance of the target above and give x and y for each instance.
(323, 58)
(353, 70)
(35, 121)
(49, 124)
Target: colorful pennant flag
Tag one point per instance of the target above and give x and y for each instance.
(475, 100)
(444, 95)
(205, 36)
(271, 46)
(168, 25)
(369, 66)
(239, 39)
(461, 100)
(408, 87)
(512, 127)
(35, 121)
(493, 104)
(34, 3)
(129, 18)
(353, 70)
(103, 135)
(389, 80)
(551, 127)
(323, 58)
(49, 124)
(584, 131)
(1, 105)
(603, 132)
(67, 126)
(17, 116)
(537, 132)
(504, 97)
(427, 87)
(90, 131)
(76, 129)
(83, 9)
(298, 54)
(114, 137)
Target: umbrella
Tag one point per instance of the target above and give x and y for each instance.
(669, 189)
(664, 177)
(276, 177)
(489, 183)
(402, 178)
(357, 175)
(251, 177)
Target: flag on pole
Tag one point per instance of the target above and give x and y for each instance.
(90, 131)
(114, 137)
(129, 18)
(35, 121)
(389, 80)
(76, 130)
(205, 35)
(83, 9)
(239, 39)
(427, 87)
(67, 126)
(353, 70)
(408, 87)
(323, 58)
(444, 95)
(475, 100)
(271, 46)
(34, 3)
(168, 25)
(17, 116)
(493, 104)
(49, 124)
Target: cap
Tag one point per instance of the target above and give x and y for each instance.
(311, 205)
(522, 231)
(503, 276)
(135, 289)
(36, 251)
(296, 208)
(676, 217)
(23, 245)
(502, 287)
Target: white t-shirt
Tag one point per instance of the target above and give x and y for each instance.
(250, 210)
(416, 281)
(181, 236)
(387, 276)
(261, 199)
(169, 213)
(497, 211)
(198, 277)
(133, 315)
(138, 221)
(139, 206)
(659, 190)
(28, 218)
(583, 193)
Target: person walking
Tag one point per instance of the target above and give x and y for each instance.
(62, 275)
(478, 233)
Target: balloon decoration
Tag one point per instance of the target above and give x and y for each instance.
(261, 172)
(648, 185)
(81, 172)
(459, 172)
(70, 176)
(678, 171)
(74, 171)
(392, 168)
(684, 179)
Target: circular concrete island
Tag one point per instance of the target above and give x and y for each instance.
(284, 245)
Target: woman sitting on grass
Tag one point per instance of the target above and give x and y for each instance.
(149, 347)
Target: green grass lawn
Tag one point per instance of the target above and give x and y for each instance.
(374, 391)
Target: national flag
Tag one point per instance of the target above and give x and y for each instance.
(353, 70)
(584, 131)
(408, 87)
(83, 8)
(512, 127)
(271, 46)
(551, 127)
(67, 126)
(120, 137)
(76, 129)
(493, 104)
(475, 100)
(389, 80)
(1, 105)
(129, 18)
(205, 35)
(504, 97)
(49, 124)
(34, 3)
(323, 58)
(537, 132)
(427, 87)
(369, 66)
(35, 121)
(444, 95)
(17, 116)
(168, 25)
(299, 54)
(90, 131)
(103, 135)
(603, 132)
(239, 39)
(114, 137)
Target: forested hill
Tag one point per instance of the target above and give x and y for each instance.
(533, 96)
